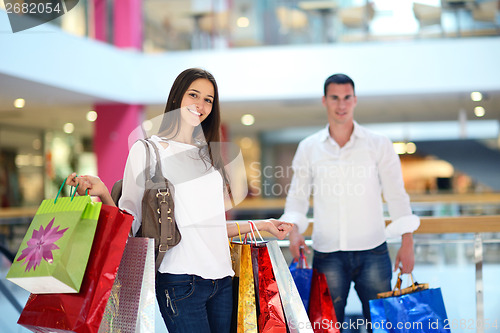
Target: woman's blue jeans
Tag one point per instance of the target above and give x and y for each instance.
(370, 270)
(189, 303)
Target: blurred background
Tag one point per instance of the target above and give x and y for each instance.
(426, 73)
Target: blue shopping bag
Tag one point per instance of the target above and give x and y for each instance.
(302, 276)
(409, 311)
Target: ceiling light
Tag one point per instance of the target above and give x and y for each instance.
(247, 119)
(476, 96)
(19, 103)
(243, 22)
(399, 147)
(411, 148)
(68, 128)
(91, 116)
(479, 111)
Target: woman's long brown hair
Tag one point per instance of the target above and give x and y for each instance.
(209, 129)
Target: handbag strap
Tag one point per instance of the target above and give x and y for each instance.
(148, 160)
(158, 175)
(167, 225)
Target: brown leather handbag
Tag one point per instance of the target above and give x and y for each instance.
(158, 220)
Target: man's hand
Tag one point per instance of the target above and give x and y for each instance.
(405, 257)
(296, 241)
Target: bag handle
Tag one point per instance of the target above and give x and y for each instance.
(231, 245)
(239, 231)
(250, 235)
(71, 193)
(399, 282)
(245, 239)
(302, 259)
(252, 228)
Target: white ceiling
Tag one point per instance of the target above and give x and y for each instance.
(49, 108)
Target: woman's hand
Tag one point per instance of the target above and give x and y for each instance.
(275, 227)
(74, 180)
(93, 184)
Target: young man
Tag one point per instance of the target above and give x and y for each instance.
(347, 169)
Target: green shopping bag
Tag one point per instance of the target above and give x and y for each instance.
(53, 255)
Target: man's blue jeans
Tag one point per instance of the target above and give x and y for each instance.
(370, 270)
(189, 303)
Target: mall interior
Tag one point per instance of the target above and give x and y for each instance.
(73, 89)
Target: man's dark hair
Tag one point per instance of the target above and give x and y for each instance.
(338, 79)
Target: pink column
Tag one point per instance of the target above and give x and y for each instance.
(115, 128)
(127, 27)
(115, 124)
(99, 12)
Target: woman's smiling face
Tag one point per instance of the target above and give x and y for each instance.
(197, 102)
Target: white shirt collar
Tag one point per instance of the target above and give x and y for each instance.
(358, 132)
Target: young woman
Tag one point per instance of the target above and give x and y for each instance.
(193, 284)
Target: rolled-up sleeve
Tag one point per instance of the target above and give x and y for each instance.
(297, 200)
(134, 184)
(402, 225)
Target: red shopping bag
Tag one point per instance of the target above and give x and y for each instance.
(321, 311)
(271, 318)
(82, 312)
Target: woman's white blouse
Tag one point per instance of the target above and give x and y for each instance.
(199, 208)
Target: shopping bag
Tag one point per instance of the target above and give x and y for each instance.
(321, 310)
(302, 276)
(414, 309)
(244, 309)
(235, 250)
(131, 305)
(295, 312)
(82, 312)
(54, 252)
(269, 308)
(397, 290)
